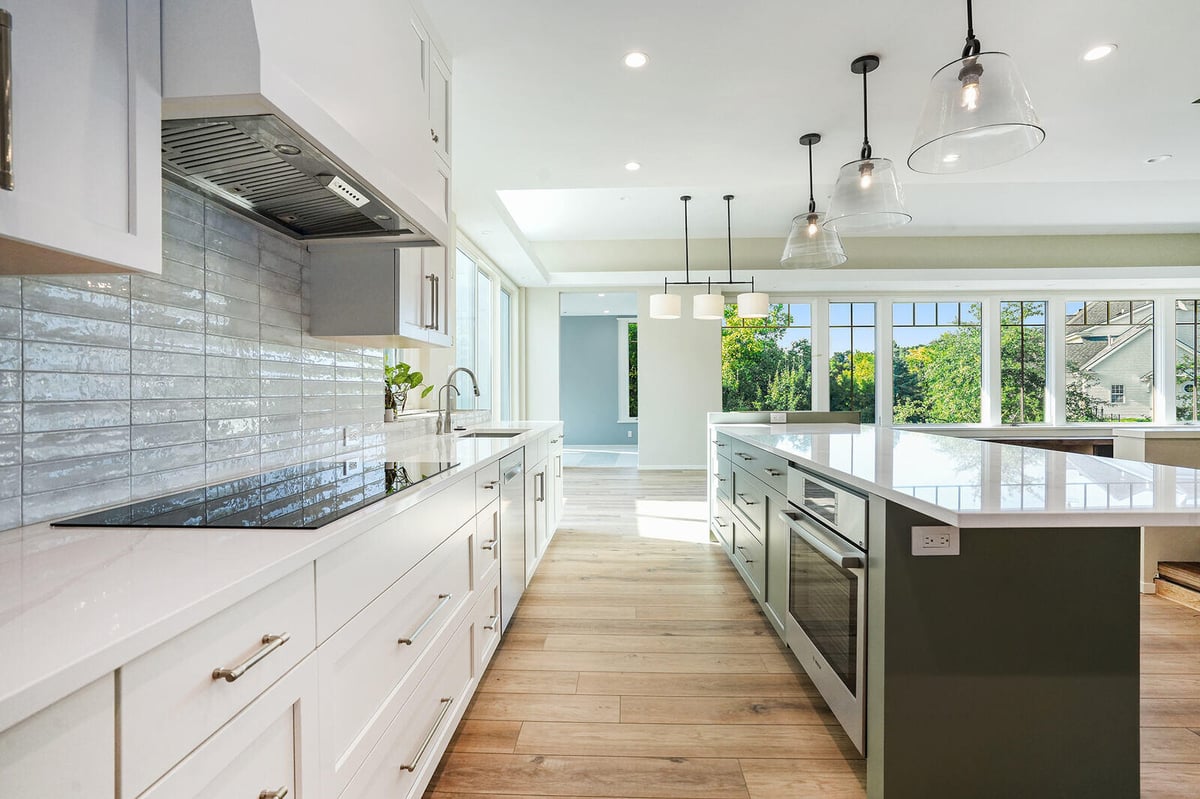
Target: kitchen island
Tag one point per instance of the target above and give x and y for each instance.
(1004, 665)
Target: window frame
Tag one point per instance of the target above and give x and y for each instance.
(623, 324)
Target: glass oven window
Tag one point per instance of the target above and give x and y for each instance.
(821, 500)
(824, 602)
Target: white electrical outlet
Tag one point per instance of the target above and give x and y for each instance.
(778, 417)
(935, 540)
(629, 434)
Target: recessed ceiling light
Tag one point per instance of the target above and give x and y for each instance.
(1158, 159)
(1099, 51)
(633, 166)
(636, 59)
(599, 295)
(950, 158)
(607, 311)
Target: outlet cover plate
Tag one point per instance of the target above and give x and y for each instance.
(778, 417)
(941, 540)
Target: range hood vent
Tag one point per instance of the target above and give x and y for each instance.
(263, 169)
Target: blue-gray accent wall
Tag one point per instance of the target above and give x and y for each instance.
(588, 382)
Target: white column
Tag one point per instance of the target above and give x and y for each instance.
(820, 359)
(1056, 368)
(1164, 360)
(990, 400)
(883, 361)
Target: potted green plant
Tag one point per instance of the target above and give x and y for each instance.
(398, 380)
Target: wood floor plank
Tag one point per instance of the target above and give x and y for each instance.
(683, 740)
(541, 610)
(485, 736)
(1170, 745)
(528, 682)
(805, 779)
(633, 777)
(725, 710)
(751, 685)
(1170, 780)
(545, 707)
(1176, 663)
(694, 644)
(631, 627)
(630, 661)
(747, 611)
(1171, 644)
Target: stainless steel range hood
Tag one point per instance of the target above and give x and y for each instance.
(262, 168)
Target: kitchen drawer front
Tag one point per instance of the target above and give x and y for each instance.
(78, 730)
(750, 497)
(487, 486)
(401, 764)
(537, 450)
(766, 466)
(365, 666)
(723, 477)
(751, 557)
(485, 559)
(270, 746)
(722, 445)
(722, 525)
(170, 700)
(487, 624)
(352, 575)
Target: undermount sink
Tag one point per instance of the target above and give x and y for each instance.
(492, 434)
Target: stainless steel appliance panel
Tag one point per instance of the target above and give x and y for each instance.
(512, 534)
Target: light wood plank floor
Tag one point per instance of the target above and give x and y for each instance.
(638, 666)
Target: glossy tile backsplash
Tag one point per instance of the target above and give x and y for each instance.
(118, 387)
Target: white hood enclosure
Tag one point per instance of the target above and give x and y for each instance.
(311, 117)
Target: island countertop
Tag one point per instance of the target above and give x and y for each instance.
(970, 483)
(77, 602)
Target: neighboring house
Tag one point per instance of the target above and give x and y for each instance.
(1114, 344)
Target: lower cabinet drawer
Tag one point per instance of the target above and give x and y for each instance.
(268, 748)
(723, 477)
(174, 696)
(722, 524)
(67, 750)
(367, 668)
(401, 764)
(750, 497)
(487, 485)
(487, 624)
(751, 556)
(485, 559)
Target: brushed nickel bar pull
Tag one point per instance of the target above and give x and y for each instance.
(6, 104)
(437, 305)
(491, 626)
(490, 485)
(720, 479)
(744, 456)
(488, 545)
(720, 522)
(719, 443)
(278, 793)
(773, 472)
(746, 501)
(446, 700)
(432, 323)
(270, 644)
(443, 599)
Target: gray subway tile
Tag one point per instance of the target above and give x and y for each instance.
(46, 416)
(240, 427)
(10, 292)
(283, 300)
(56, 387)
(64, 444)
(313, 371)
(279, 370)
(159, 459)
(169, 316)
(10, 450)
(225, 305)
(68, 300)
(241, 264)
(232, 286)
(10, 322)
(156, 484)
(150, 436)
(10, 353)
(348, 402)
(274, 406)
(75, 472)
(188, 275)
(117, 285)
(319, 388)
(232, 347)
(223, 449)
(231, 408)
(219, 471)
(161, 338)
(216, 366)
(85, 495)
(281, 318)
(319, 404)
(183, 251)
(10, 482)
(283, 255)
(159, 411)
(10, 513)
(279, 283)
(274, 387)
(231, 387)
(10, 418)
(282, 423)
(278, 459)
(220, 221)
(40, 326)
(183, 203)
(150, 362)
(184, 229)
(167, 387)
(282, 352)
(231, 326)
(315, 352)
(279, 335)
(44, 356)
(153, 289)
(288, 439)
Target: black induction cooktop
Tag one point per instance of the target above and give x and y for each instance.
(306, 496)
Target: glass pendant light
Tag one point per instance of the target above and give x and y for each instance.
(867, 195)
(977, 114)
(810, 245)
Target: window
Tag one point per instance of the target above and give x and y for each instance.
(852, 358)
(766, 364)
(1022, 362)
(1187, 337)
(1116, 394)
(1109, 343)
(506, 413)
(937, 362)
(473, 331)
(627, 376)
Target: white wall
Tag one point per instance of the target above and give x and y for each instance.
(679, 382)
(540, 398)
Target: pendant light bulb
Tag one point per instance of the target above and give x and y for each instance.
(865, 170)
(969, 76)
(812, 225)
(809, 245)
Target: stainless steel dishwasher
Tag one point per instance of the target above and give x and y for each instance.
(512, 534)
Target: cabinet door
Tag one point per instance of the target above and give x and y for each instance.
(413, 302)
(86, 171)
(439, 309)
(778, 543)
(439, 105)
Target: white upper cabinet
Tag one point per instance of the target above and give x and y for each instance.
(348, 77)
(85, 159)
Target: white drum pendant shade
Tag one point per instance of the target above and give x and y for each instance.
(867, 197)
(754, 305)
(812, 246)
(708, 306)
(665, 306)
(977, 114)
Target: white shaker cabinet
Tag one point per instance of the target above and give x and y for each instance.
(382, 296)
(86, 177)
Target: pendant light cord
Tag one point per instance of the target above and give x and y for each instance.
(812, 202)
(972, 47)
(687, 271)
(866, 148)
(729, 233)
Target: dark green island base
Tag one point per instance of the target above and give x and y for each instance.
(1009, 671)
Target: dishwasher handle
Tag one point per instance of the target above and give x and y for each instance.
(843, 555)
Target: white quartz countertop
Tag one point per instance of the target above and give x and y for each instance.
(77, 602)
(969, 483)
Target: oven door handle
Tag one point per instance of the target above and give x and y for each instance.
(847, 557)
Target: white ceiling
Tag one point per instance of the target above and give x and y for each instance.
(546, 115)
(590, 303)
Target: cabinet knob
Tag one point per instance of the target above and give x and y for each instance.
(278, 793)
